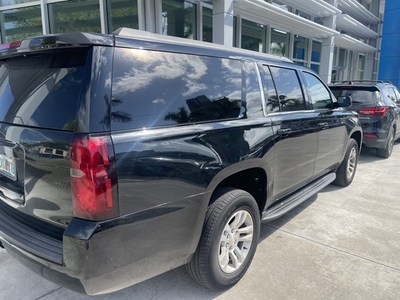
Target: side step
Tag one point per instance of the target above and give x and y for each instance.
(283, 207)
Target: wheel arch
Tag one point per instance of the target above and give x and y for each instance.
(357, 136)
(252, 179)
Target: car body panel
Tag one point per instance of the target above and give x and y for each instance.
(165, 170)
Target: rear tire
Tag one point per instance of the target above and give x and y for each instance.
(229, 240)
(387, 151)
(347, 169)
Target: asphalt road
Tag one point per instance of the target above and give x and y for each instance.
(342, 243)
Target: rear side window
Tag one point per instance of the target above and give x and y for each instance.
(361, 96)
(42, 90)
(153, 88)
(289, 90)
(396, 92)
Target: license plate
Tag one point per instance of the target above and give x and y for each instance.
(7, 167)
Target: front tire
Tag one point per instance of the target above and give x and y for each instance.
(229, 240)
(347, 169)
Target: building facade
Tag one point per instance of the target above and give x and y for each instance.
(339, 39)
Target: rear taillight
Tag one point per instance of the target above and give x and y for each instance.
(93, 177)
(378, 111)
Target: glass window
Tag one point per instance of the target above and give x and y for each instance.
(207, 24)
(318, 93)
(315, 67)
(123, 13)
(154, 88)
(21, 23)
(289, 90)
(390, 94)
(397, 96)
(316, 55)
(79, 15)
(303, 14)
(252, 36)
(253, 91)
(269, 90)
(360, 66)
(279, 4)
(48, 84)
(279, 42)
(300, 48)
(13, 2)
(342, 57)
(316, 51)
(235, 30)
(179, 18)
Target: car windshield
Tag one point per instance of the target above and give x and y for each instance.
(361, 96)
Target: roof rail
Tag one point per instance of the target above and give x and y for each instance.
(362, 81)
(140, 34)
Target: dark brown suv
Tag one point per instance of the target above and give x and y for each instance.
(123, 156)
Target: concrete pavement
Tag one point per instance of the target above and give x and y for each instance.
(342, 243)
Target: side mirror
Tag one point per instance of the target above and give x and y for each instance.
(344, 101)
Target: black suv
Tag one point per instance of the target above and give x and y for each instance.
(377, 103)
(123, 156)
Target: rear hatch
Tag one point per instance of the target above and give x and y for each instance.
(42, 84)
(365, 102)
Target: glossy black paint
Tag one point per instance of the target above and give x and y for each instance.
(167, 173)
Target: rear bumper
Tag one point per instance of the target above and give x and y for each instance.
(102, 257)
(374, 142)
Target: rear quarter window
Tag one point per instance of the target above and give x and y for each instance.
(42, 90)
(154, 88)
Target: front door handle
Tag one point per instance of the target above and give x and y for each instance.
(284, 132)
(323, 125)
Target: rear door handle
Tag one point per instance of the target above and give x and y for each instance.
(284, 131)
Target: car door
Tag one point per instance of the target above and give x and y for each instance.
(332, 132)
(294, 127)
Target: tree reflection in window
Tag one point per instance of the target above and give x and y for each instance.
(203, 109)
(158, 88)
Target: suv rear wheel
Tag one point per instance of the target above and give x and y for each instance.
(229, 240)
(347, 169)
(387, 151)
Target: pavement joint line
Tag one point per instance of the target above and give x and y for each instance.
(334, 248)
(49, 293)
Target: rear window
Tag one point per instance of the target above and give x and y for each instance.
(42, 90)
(361, 96)
(153, 88)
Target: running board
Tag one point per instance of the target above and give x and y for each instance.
(283, 207)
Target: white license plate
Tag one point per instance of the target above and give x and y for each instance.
(7, 167)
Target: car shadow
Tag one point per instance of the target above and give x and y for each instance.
(368, 155)
(268, 228)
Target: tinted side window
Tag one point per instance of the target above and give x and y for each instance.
(397, 96)
(289, 89)
(152, 88)
(42, 90)
(269, 90)
(318, 93)
(253, 91)
(389, 92)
